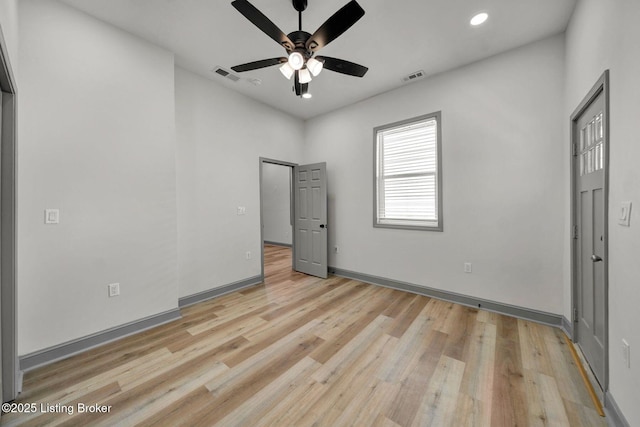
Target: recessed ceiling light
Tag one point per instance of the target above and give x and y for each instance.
(306, 95)
(479, 19)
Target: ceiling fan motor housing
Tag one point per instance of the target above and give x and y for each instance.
(299, 39)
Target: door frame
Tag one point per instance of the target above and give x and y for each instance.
(290, 165)
(600, 87)
(11, 376)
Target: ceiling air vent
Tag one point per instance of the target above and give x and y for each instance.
(224, 73)
(414, 76)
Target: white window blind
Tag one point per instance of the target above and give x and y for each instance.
(407, 174)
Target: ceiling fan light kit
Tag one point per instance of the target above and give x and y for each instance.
(302, 46)
(314, 66)
(287, 71)
(296, 60)
(305, 76)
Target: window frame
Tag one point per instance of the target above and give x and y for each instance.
(437, 225)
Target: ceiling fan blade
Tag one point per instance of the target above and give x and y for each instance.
(263, 23)
(258, 64)
(342, 66)
(333, 27)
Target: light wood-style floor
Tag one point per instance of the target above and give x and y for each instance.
(302, 351)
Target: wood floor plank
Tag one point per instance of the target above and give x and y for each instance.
(409, 345)
(416, 376)
(204, 352)
(183, 385)
(73, 393)
(565, 370)
(446, 320)
(552, 401)
(340, 360)
(229, 396)
(371, 405)
(533, 348)
(357, 323)
(580, 415)
(347, 383)
(251, 411)
(477, 382)
(326, 303)
(406, 317)
(458, 342)
(439, 402)
(294, 406)
(174, 415)
(399, 305)
(299, 350)
(306, 298)
(509, 400)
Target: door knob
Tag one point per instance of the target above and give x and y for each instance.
(595, 258)
(322, 226)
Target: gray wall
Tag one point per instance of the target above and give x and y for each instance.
(147, 164)
(97, 141)
(221, 136)
(502, 145)
(604, 35)
(9, 28)
(276, 203)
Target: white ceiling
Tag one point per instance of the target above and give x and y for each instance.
(393, 39)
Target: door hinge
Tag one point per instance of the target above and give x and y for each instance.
(575, 232)
(574, 150)
(575, 314)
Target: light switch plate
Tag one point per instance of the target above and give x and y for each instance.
(624, 214)
(114, 289)
(52, 216)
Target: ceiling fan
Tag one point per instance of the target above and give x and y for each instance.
(302, 46)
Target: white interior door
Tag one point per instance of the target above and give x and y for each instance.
(310, 219)
(590, 250)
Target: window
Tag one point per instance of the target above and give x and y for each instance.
(408, 174)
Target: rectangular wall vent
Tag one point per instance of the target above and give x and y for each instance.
(414, 76)
(224, 73)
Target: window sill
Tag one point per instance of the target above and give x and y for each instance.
(410, 225)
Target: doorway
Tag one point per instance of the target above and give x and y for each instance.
(10, 379)
(276, 209)
(307, 213)
(590, 201)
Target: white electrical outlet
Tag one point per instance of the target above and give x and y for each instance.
(114, 289)
(336, 249)
(467, 267)
(242, 210)
(248, 255)
(626, 353)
